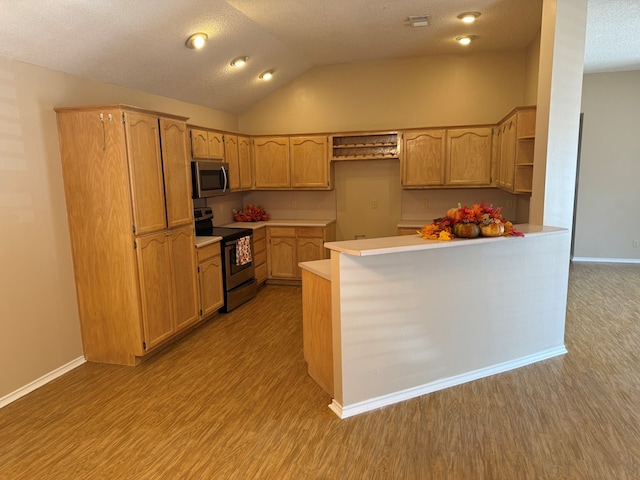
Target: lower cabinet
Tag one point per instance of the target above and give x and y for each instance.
(287, 246)
(407, 231)
(210, 279)
(167, 276)
(260, 254)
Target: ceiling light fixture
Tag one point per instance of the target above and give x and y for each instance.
(239, 62)
(465, 39)
(266, 75)
(419, 20)
(469, 17)
(197, 40)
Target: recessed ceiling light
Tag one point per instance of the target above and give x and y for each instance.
(239, 62)
(266, 75)
(469, 17)
(465, 39)
(197, 40)
(419, 20)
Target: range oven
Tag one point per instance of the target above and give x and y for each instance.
(236, 247)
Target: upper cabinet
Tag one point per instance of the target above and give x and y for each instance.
(423, 158)
(457, 157)
(271, 162)
(232, 158)
(206, 144)
(309, 162)
(469, 156)
(175, 164)
(515, 158)
(283, 163)
(244, 161)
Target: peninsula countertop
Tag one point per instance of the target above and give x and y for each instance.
(408, 243)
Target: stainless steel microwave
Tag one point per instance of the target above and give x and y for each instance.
(210, 178)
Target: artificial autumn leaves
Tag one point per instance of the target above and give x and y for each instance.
(465, 222)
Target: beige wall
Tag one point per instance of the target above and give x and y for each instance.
(533, 70)
(38, 313)
(394, 94)
(608, 189)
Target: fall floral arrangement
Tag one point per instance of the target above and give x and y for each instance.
(465, 222)
(251, 213)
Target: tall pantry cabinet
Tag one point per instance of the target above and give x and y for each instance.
(128, 194)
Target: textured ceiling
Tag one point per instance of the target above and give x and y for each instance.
(141, 43)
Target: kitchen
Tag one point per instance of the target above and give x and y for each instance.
(511, 84)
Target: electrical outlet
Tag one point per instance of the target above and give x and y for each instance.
(294, 204)
(509, 203)
(636, 243)
(374, 203)
(425, 204)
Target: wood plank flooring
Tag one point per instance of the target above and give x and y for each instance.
(233, 401)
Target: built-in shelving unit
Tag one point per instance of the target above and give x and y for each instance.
(370, 146)
(525, 140)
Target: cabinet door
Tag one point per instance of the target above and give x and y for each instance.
(177, 178)
(244, 160)
(309, 162)
(469, 156)
(282, 252)
(199, 144)
(423, 158)
(271, 162)
(231, 157)
(211, 294)
(154, 274)
(216, 145)
(184, 276)
(145, 168)
(309, 249)
(508, 153)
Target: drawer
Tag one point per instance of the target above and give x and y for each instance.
(259, 258)
(259, 234)
(208, 251)
(282, 231)
(260, 245)
(261, 272)
(316, 232)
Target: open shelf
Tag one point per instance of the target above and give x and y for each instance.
(372, 146)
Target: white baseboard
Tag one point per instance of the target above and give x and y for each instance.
(21, 392)
(605, 260)
(383, 401)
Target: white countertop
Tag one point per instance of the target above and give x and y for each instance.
(413, 223)
(408, 243)
(321, 268)
(282, 223)
(201, 241)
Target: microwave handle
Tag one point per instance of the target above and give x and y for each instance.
(226, 180)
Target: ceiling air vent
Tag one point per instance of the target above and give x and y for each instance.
(419, 20)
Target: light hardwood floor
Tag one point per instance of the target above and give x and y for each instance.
(233, 401)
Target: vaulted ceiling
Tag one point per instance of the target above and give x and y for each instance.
(141, 44)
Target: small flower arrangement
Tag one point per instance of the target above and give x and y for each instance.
(251, 213)
(465, 222)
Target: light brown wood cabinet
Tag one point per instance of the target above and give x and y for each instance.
(260, 254)
(210, 279)
(131, 228)
(271, 163)
(206, 144)
(231, 156)
(407, 231)
(456, 157)
(423, 158)
(515, 158)
(287, 246)
(285, 163)
(469, 156)
(244, 161)
(309, 162)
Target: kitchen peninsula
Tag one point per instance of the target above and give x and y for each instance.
(411, 316)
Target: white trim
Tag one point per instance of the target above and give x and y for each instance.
(30, 387)
(385, 400)
(606, 260)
